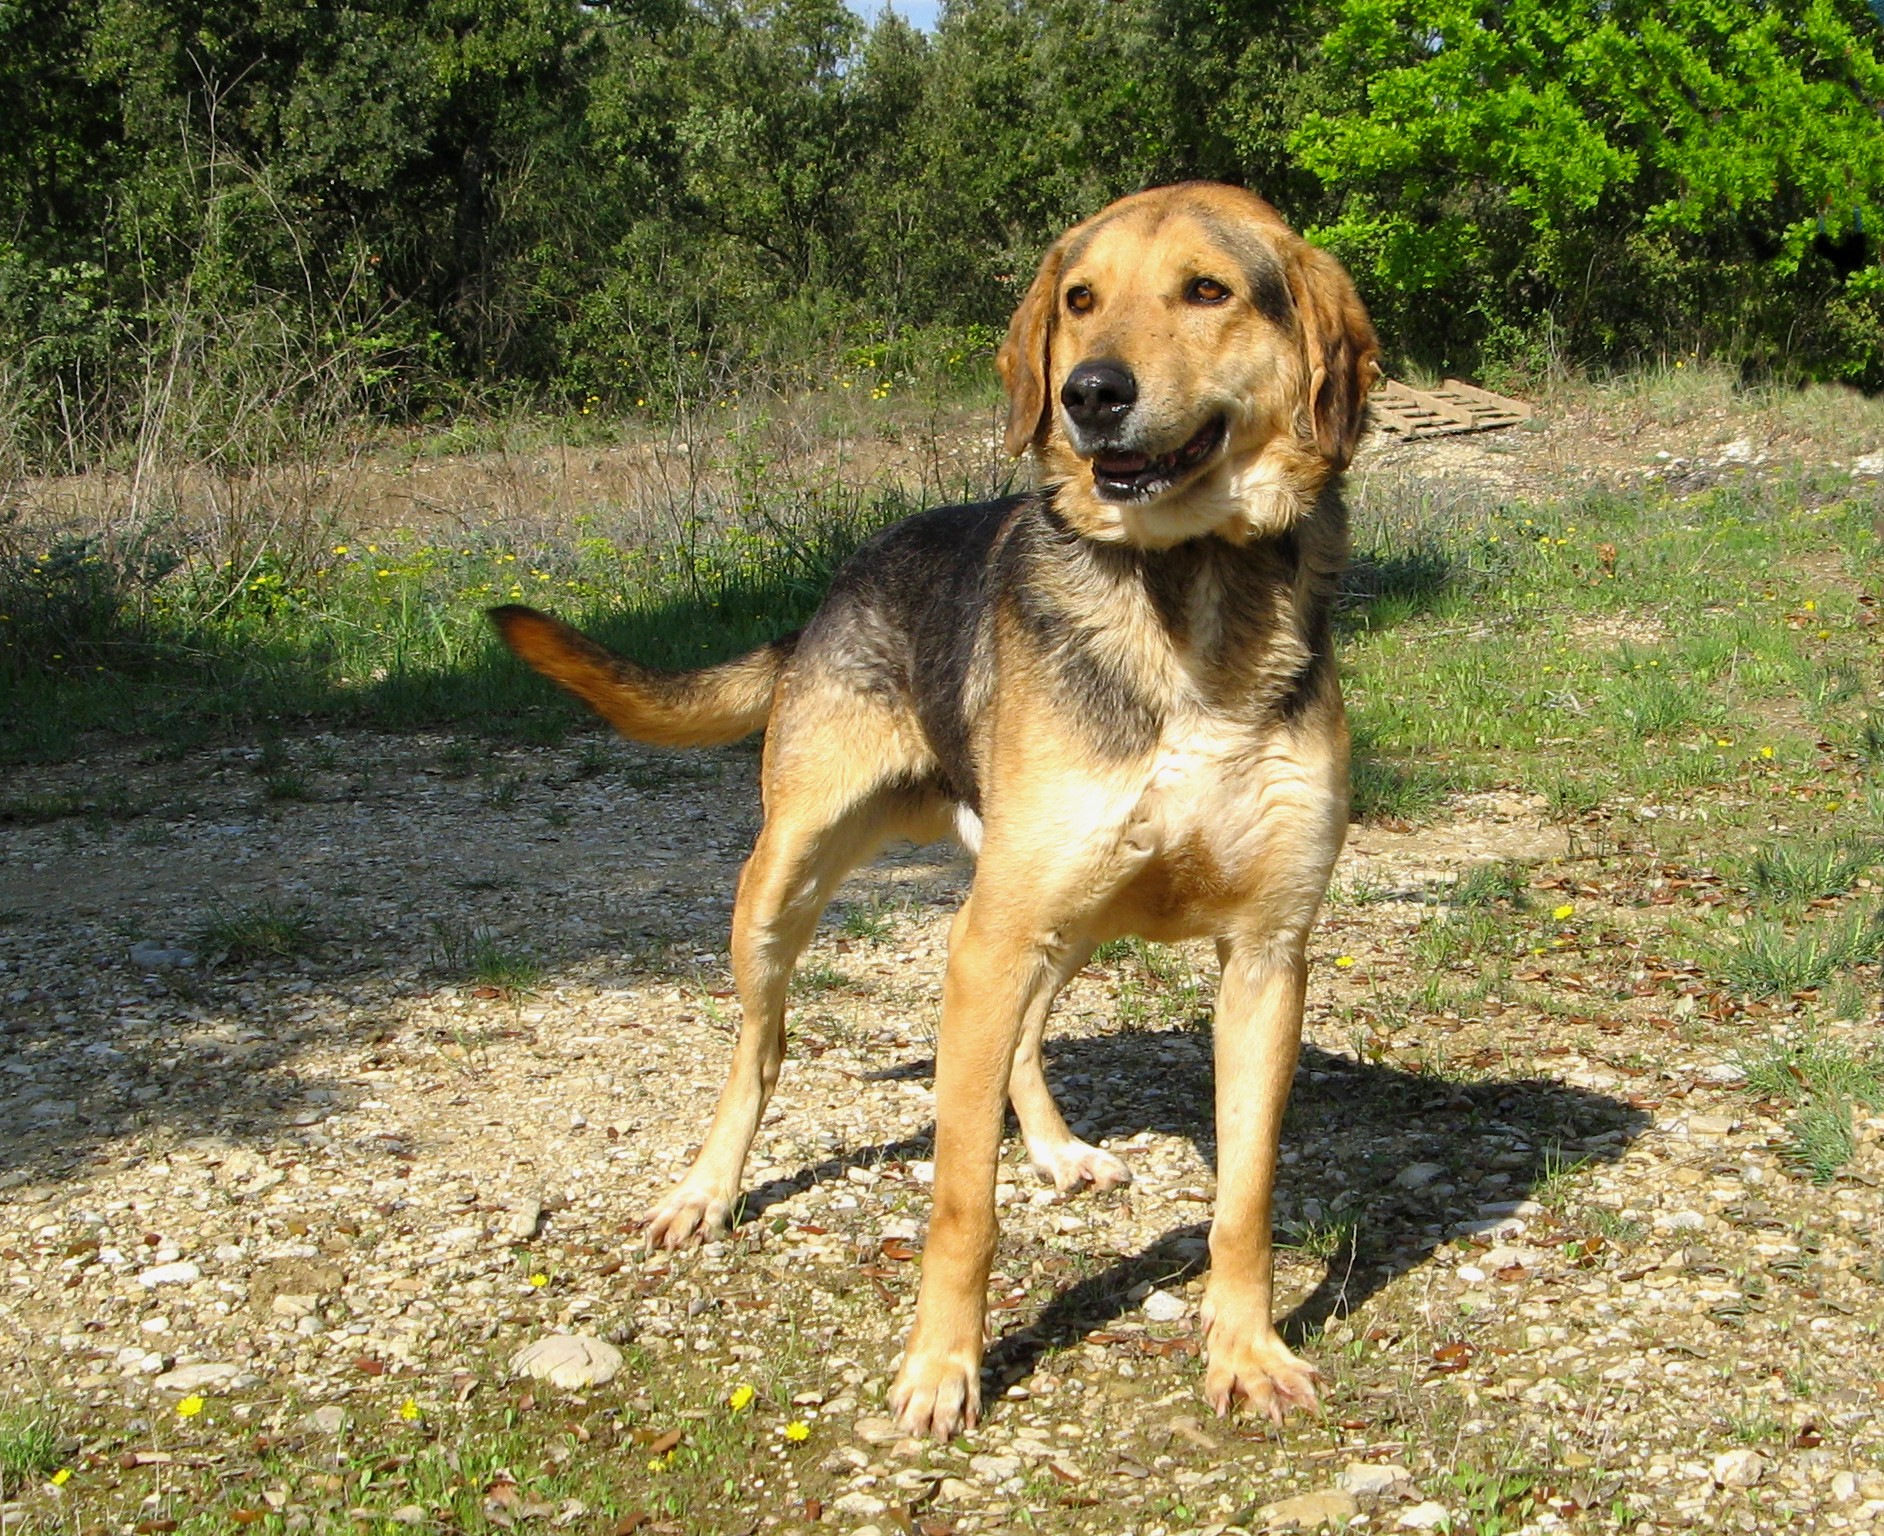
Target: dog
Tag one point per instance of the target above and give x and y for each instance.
(1117, 690)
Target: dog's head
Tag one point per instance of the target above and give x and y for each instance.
(1184, 363)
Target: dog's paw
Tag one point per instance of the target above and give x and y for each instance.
(937, 1392)
(1072, 1165)
(1248, 1363)
(687, 1215)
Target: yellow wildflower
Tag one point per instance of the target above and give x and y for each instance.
(742, 1397)
(1766, 751)
(797, 1430)
(62, 1477)
(1560, 913)
(409, 1410)
(190, 1407)
(1342, 962)
(539, 1279)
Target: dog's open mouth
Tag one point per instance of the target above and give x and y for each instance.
(1134, 477)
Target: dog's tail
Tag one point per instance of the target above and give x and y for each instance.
(703, 707)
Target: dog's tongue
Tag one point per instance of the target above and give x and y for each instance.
(1121, 463)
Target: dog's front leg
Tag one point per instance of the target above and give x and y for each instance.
(1258, 1036)
(995, 969)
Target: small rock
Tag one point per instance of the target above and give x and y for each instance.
(1739, 451)
(570, 1361)
(1868, 464)
(994, 1469)
(863, 1505)
(325, 1421)
(1495, 1259)
(1724, 1072)
(1844, 1486)
(1738, 1469)
(1430, 1516)
(1490, 1227)
(147, 956)
(874, 1431)
(1710, 1125)
(409, 1514)
(1418, 1175)
(186, 1379)
(295, 1306)
(1308, 1511)
(1471, 1274)
(1163, 1307)
(1369, 1480)
(183, 1272)
(525, 1212)
(953, 1490)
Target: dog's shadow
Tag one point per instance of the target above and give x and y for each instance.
(1382, 1166)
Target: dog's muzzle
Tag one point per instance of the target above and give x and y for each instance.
(1119, 476)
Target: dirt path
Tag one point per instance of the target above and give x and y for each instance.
(353, 1176)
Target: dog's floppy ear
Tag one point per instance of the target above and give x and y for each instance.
(1023, 356)
(1341, 352)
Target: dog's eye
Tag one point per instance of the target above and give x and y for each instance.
(1079, 299)
(1206, 290)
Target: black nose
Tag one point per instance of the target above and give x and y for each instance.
(1098, 395)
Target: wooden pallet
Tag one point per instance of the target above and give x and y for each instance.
(1406, 412)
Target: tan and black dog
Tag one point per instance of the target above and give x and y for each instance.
(1117, 691)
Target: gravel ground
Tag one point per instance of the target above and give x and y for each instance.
(312, 1183)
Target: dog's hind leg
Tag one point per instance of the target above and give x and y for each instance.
(1057, 1155)
(837, 787)
(795, 867)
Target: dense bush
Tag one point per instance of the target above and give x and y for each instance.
(641, 197)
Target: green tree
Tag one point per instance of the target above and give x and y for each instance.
(1640, 176)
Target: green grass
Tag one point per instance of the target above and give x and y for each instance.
(1808, 868)
(818, 977)
(871, 922)
(1158, 987)
(476, 955)
(31, 1449)
(1769, 958)
(1447, 938)
(1505, 883)
(1824, 1080)
(287, 786)
(395, 638)
(266, 930)
(1321, 1239)
(1382, 789)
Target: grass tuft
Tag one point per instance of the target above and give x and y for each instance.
(1769, 959)
(267, 930)
(872, 922)
(1823, 1079)
(1380, 790)
(1811, 868)
(479, 956)
(31, 1448)
(1490, 885)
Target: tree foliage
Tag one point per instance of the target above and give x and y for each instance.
(1643, 175)
(632, 197)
